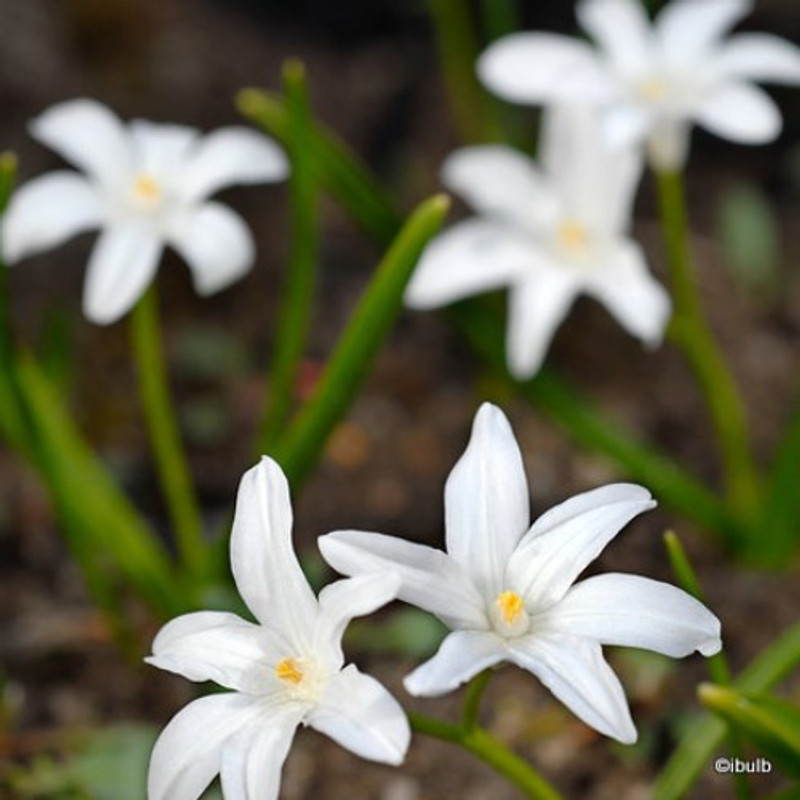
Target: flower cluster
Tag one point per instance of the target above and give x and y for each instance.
(506, 588)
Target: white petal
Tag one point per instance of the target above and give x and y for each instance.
(232, 156)
(741, 113)
(431, 579)
(636, 612)
(759, 57)
(122, 264)
(567, 538)
(595, 181)
(688, 30)
(668, 142)
(622, 29)
(160, 150)
(217, 245)
(537, 306)
(252, 760)
(357, 712)
(461, 656)
(625, 286)
(502, 183)
(47, 211)
(88, 135)
(542, 67)
(187, 754)
(626, 124)
(213, 646)
(486, 501)
(339, 602)
(474, 256)
(575, 671)
(264, 564)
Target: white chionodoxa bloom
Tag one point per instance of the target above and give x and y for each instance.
(548, 231)
(285, 671)
(145, 186)
(507, 589)
(653, 80)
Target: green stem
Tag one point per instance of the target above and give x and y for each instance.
(490, 751)
(500, 17)
(472, 699)
(295, 308)
(691, 333)
(162, 429)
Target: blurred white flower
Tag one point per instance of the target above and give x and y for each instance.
(145, 187)
(548, 232)
(508, 591)
(653, 80)
(285, 671)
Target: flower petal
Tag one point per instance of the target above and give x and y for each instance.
(461, 656)
(486, 501)
(567, 538)
(357, 712)
(687, 29)
(122, 264)
(501, 183)
(474, 256)
(625, 286)
(537, 306)
(265, 567)
(622, 29)
(213, 646)
(253, 759)
(595, 182)
(759, 57)
(47, 211)
(232, 156)
(88, 135)
(217, 245)
(632, 611)
(741, 113)
(431, 579)
(159, 149)
(542, 67)
(575, 671)
(339, 602)
(187, 754)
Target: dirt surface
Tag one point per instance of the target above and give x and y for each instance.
(374, 80)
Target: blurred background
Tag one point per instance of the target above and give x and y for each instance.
(375, 79)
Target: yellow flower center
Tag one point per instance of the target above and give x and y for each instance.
(510, 605)
(653, 90)
(572, 237)
(146, 190)
(289, 670)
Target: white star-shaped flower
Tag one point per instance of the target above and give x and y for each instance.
(145, 186)
(653, 80)
(548, 232)
(508, 590)
(285, 671)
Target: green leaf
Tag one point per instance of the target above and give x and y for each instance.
(359, 344)
(697, 746)
(334, 166)
(772, 724)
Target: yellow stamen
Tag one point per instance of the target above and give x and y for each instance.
(510, 605)
(289, 670)
(653, 90)
(572, 236)
(146, 189)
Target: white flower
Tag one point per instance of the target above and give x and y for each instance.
(547, 232)
(653, 80)
(508, 591)
(285, 671)
(145, 187)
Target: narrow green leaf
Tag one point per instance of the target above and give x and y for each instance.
(334, 166)
(300, 281)
(696, 747)
(359, 344)
(771, 723)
